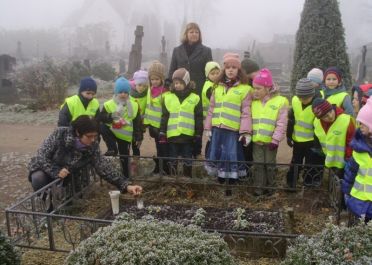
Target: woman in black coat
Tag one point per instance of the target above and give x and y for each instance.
(193, 56)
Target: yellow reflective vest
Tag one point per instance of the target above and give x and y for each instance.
(77, 108)
(125, 132)
(181, 115)
(362, 188)
(142, 102)
(227, 108)
(303, 130)
(264, 118)
(337, 99)
(334, 142)
(205, 99)
(153, 109)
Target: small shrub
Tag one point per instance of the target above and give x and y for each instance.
(104, 71)
(148, 241)
(8, 255)
(44, 82)
(334, 245)
(76, 71)
(240, 222)
(199, 217)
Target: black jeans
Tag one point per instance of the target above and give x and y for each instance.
(162, 150)
(183, 150)
(301, 155)
(115, 144)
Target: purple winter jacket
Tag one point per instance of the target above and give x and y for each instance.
(358, 207)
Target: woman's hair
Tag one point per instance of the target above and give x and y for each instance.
(243, 78)
(85, 124)
(190, 26)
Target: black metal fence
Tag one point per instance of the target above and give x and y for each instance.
(34, 221)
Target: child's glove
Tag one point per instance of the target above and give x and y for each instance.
(208, 134)
(272, 146)
(245, 138)
(162, 138)
(118, 124)
(289, 142)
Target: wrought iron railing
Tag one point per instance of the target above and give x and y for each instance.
(33, 223)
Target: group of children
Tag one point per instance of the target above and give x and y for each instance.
(244, 118)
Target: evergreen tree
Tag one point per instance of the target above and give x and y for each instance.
(320, 40)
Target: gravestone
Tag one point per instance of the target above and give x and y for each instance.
(163, 54)
(8, 93)
(19, 53)
(135, 56)
(122, 67)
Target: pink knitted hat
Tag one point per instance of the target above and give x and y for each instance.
(264, 78)
(232, 59)
(365, 114)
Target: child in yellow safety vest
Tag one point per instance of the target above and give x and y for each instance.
(152, 119)
(121, 122)
(335, 91)
(84, 103)
(269, 116)
(334, 130)
(181, 120)
(300, 135)
(212, 72)
(228, 122)
(139, 94)
(357, 183)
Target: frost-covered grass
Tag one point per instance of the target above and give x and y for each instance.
(21, 114)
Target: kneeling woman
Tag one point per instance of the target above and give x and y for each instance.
(69, 149)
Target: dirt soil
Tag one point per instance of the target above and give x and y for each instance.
(214, 218)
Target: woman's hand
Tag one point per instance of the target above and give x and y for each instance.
(134, 189)
(63, 173)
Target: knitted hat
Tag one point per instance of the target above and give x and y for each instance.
(121, 85)
(231, 59)
(321, 107)
(141, 77)
(210, 66)
(334, 70)
(182, 74)
(264, 78)
(88, 84)
(304, 88)
(157, 69)
(316, 75)
(250, 66)
(364, 115)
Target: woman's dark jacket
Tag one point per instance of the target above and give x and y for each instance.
(195, 63)
(58, 151)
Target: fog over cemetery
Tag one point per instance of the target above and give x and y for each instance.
(183, 215)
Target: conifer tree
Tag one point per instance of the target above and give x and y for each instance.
(320, 40)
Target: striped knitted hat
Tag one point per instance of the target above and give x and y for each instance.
(304, 88)
(321, 107)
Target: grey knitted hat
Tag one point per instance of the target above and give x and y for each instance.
(305, 88)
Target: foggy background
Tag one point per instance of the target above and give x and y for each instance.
(57, 27)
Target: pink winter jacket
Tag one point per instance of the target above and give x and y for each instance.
(281, 122)
(245, 116)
